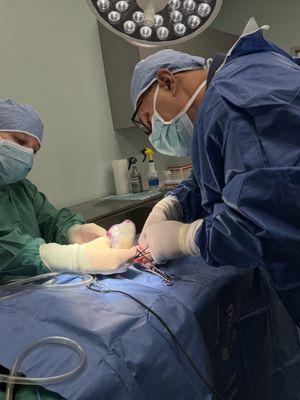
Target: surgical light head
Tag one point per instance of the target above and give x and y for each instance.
(160, 22)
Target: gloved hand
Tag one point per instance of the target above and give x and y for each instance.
(168, 240)
(168, 208)
(105, 260)
(85, 233)
(95, 257)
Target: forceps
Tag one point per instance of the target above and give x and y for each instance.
(152, 268)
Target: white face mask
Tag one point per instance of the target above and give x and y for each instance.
(174, 137)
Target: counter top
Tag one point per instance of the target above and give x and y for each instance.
(93, 210)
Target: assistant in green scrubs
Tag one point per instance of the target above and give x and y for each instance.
(27, 219)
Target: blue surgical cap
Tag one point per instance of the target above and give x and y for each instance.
(145, 71)
(20, 117)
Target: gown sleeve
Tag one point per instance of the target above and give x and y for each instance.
(189, 196)
(53, 223)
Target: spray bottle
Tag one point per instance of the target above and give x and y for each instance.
(153, 180)
(135, 178)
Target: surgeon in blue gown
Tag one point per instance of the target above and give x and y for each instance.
(239, 118)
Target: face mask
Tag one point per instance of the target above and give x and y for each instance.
(15, 162)
(174, 137)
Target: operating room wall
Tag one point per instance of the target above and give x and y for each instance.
(282, 16)
(51, 58)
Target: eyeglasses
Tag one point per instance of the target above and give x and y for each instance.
(138, 123)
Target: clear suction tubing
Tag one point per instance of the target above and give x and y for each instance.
(14, 378)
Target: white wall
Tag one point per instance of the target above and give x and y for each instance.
(282, 16)
(51, 58)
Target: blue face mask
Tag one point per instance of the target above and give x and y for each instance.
(174, 137)
(15, 162)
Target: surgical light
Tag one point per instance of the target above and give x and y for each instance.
(179, 29)
(114, 17)
(156, 22)
(189, 5)
(129, 27)
(176, 16)
(193, 21)
(162, 33)
(103, 5)
(174, 4)
(122, 6)
(204, 10)
(146, 32)
(138, 17)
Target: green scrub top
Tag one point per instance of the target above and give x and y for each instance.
(27, 220)
(29, 393)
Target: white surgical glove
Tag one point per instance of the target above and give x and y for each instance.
(85, 233)
(166, 209)
(168, 240)
(95, 257)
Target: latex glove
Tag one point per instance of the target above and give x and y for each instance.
(95, 257)
(85, 233)
(166, 209)
(168, 240)
(104, 259)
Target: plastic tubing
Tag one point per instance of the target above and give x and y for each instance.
(13, 378)
(85, 282)
(13, 288)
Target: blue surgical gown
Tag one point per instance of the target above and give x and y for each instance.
(246, 166)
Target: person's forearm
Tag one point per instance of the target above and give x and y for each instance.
(95, 257)
(64, 257)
